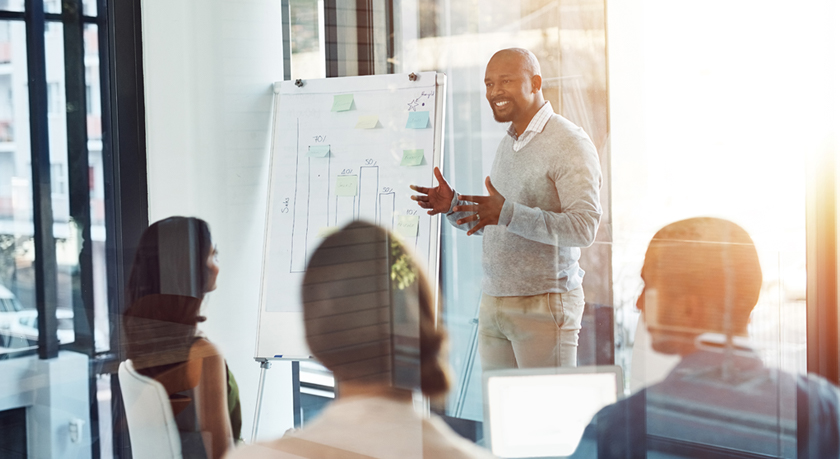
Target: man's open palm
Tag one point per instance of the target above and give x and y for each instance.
(437, 199)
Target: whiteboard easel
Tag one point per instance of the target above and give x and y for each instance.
(304, 202)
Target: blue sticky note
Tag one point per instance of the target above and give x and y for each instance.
(417, 120)
(342, 102)
(318, 151)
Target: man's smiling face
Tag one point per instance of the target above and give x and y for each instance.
(509, 87)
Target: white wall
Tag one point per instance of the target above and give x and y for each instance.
(209, 65)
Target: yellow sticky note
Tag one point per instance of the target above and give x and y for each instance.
(346, 185)
(412, 158)
(327, 231)
(367, 122)
(342, 102)
(318, 151)
(407, 225)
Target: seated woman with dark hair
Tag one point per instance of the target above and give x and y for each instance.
(370, 318)
(175, 266)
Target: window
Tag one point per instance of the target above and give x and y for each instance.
(58, 175)
(67, 117)
(54, 104)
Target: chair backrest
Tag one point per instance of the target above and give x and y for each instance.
(151, 424)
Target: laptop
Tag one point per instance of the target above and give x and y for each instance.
(542, 412)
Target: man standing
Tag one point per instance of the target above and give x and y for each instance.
(542, 206)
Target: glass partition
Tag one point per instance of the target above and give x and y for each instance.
(17, 280)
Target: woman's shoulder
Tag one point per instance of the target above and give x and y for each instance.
(202, 348)
(203, 345)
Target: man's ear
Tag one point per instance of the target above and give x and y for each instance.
(536, 83)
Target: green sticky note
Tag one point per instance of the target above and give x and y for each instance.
(417, 120)
(407, 225)
(367, 122)
(318, 151)
(412, 158)
(346, 185)
(342, 102)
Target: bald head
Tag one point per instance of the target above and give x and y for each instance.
(519, 58)
(701, 275)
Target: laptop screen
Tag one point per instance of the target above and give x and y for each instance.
(543, 412)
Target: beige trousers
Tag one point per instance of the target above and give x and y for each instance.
(529, 331)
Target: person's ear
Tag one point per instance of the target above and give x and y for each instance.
(536, 83)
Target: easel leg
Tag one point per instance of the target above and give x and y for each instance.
(296, 394)
(264, 365)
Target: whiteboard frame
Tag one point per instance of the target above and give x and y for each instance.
(434, 222)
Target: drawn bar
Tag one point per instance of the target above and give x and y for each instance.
(368, 193)
(311, 207)
(387, 207)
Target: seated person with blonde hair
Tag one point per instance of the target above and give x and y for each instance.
(702, 279)
(370, 319)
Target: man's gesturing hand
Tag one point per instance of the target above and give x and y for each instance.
(487, 208)
(438, 199)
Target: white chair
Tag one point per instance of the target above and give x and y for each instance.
(151, 424)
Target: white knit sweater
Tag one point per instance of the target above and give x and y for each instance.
(552, 207)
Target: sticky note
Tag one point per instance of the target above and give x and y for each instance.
(412, 158)
(367, 122)
(417, 120)
(346, 185)
(327, 231)
(342, 102)
(318, 151)
(407, 225)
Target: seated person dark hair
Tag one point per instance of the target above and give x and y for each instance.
(174, 267)
(702, 279)
(370, 318)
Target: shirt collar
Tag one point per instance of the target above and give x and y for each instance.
(537, 123)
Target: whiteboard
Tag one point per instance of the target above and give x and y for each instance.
(333, 162)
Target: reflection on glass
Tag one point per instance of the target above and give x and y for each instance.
(702, 282)
(67, 235)
(17, 251)
(369, 316)
(93, 93)
(307, 19)
(698, 145)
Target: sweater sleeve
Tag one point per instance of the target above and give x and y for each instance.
(578, 184)
(454, 216)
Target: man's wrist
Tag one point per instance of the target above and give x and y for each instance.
(506, 215)
(453, 203)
